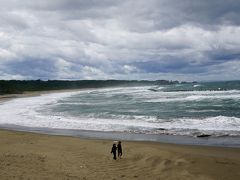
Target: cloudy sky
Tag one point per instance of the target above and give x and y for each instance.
(120, 39)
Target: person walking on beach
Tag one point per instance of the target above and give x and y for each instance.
(114, 151)
(119, 149)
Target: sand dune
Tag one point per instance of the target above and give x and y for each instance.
(33, 156)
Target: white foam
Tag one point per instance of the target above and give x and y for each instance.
(210, 123)
(190, 96)
(23, 111)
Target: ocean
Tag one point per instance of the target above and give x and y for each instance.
(187, 109)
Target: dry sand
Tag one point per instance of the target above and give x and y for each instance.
(33, 156)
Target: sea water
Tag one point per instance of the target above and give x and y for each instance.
(191, 109)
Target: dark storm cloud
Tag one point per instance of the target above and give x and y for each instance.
(206, 12)
(122, 39)
(31, 68)
(222, 55)
(166, 14)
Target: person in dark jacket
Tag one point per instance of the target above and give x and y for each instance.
(119, 149)
(114, 151)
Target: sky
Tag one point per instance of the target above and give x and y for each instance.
(185, 40)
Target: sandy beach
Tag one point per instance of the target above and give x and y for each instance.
(26, 155)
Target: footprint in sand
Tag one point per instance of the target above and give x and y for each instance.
(137, 157)
(180, 162)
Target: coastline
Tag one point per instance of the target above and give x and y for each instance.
(225, 141)
(38, 155)
(25, 155)
(220, 141)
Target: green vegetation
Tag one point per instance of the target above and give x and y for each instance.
(17, 86)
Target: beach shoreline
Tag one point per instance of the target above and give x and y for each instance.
(28, 155)
(224, 141)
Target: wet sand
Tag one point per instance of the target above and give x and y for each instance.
(26, 155)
